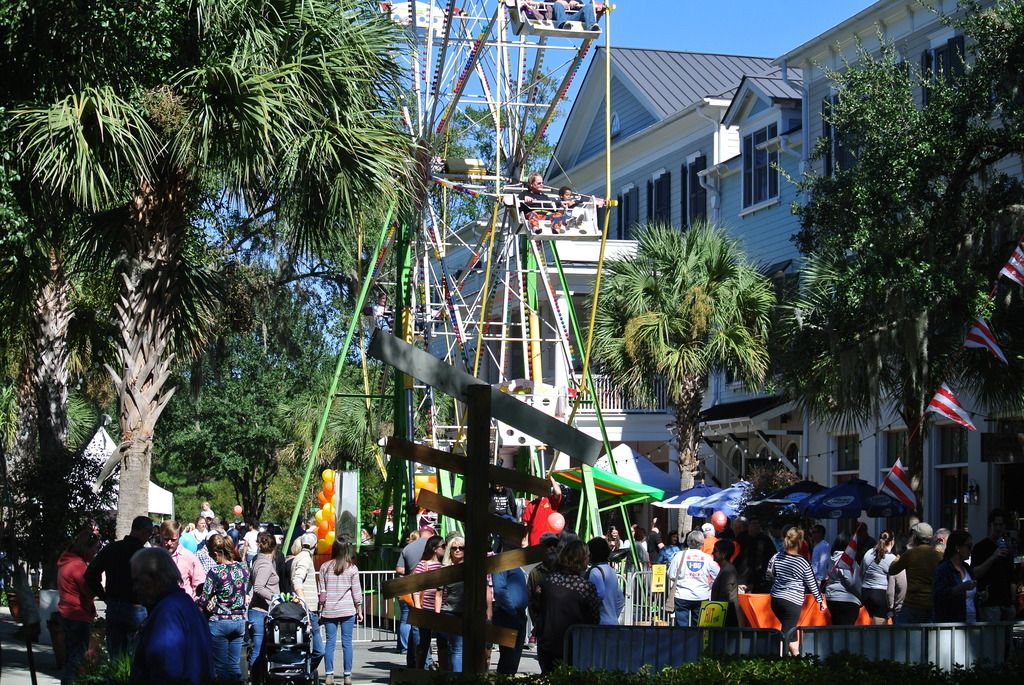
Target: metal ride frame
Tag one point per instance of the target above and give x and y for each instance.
(450, 267)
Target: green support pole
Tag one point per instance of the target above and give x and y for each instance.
(322, 426)
(403, 403)
(587, 475)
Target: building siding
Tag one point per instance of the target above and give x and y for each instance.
(633, 117)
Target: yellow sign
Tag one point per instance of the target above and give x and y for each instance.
(712, 614)
(658, 578)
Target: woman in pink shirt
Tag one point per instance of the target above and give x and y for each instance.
(341, 605)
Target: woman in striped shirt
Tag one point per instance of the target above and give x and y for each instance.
(428, 600)
(791, 578)
(341, 605)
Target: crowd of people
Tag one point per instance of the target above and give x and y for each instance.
(184, 613)
(179, 600)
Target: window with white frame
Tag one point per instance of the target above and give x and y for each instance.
(760, 172)
(895, 447)
(847, 453)
(942, 62)
(952, 445)
(628, 212)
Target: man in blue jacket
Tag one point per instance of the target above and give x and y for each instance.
(174, 644)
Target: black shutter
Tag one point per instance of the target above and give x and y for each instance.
(955, 48)
(826, 134)
(663, 198)
(650, 200)
(698, 194)
(926, 75)
(619, 226)
(748, 167)
(634, 209)
(684, 194)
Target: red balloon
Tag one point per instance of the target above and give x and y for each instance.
(238, 510)
(556, 522)
(719, 520)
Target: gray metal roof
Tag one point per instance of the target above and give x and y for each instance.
(674, 80)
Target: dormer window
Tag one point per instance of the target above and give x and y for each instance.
(760, 173)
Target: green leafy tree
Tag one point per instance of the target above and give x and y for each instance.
(903, 244)
(237, 428)
(680, 307)
(283, 104)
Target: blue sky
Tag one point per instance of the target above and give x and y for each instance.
(762, 28)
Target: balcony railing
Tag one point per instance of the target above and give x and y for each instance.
(614, 402)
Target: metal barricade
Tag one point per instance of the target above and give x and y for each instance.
(946, 645)
(643, 608)
(380, 620)
(630, 648)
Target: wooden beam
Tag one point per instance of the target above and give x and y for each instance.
(478, 537)
(516, 480)
(428, 369)
(447, 623)
(457, 510)
(452, 574)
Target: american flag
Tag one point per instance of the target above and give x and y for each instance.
(897, 485)
(981, 336)
(1014, 269)
(946, 404)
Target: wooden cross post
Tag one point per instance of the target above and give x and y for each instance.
(478, 449)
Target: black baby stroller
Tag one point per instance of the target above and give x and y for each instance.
(287, 653)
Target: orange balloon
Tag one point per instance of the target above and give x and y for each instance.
(322, 498)
(330, 523)
(329, 489)
(323, 547)
(322, 529)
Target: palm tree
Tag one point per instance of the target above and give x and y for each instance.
(284, 107)
(680, 307)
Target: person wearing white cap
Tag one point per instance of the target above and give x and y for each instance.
(919, 562)
(304, 585)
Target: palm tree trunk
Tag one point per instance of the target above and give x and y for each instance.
(143, 309)
(688, 434)
(51, 315)
(26, 428)
(913, 416)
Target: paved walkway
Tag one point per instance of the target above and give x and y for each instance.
(373, 661)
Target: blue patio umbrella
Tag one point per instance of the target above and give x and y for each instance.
(848, 500)
(791, 495)
(729, 501)
(682, 500)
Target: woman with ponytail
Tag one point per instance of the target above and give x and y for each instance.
(878, 588)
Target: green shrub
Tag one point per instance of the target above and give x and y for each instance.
(843, 669)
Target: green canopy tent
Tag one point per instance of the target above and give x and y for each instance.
(612, 490)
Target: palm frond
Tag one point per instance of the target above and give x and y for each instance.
(86, 147)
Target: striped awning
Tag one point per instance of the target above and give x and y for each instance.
(610, 485)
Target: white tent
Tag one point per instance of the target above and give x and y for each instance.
(99, 450)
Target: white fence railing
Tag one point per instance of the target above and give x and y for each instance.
(380, 616)
(613, 401)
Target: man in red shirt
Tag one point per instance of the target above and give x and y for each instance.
(537, 512)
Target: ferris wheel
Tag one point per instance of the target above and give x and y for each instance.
(480, 268)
